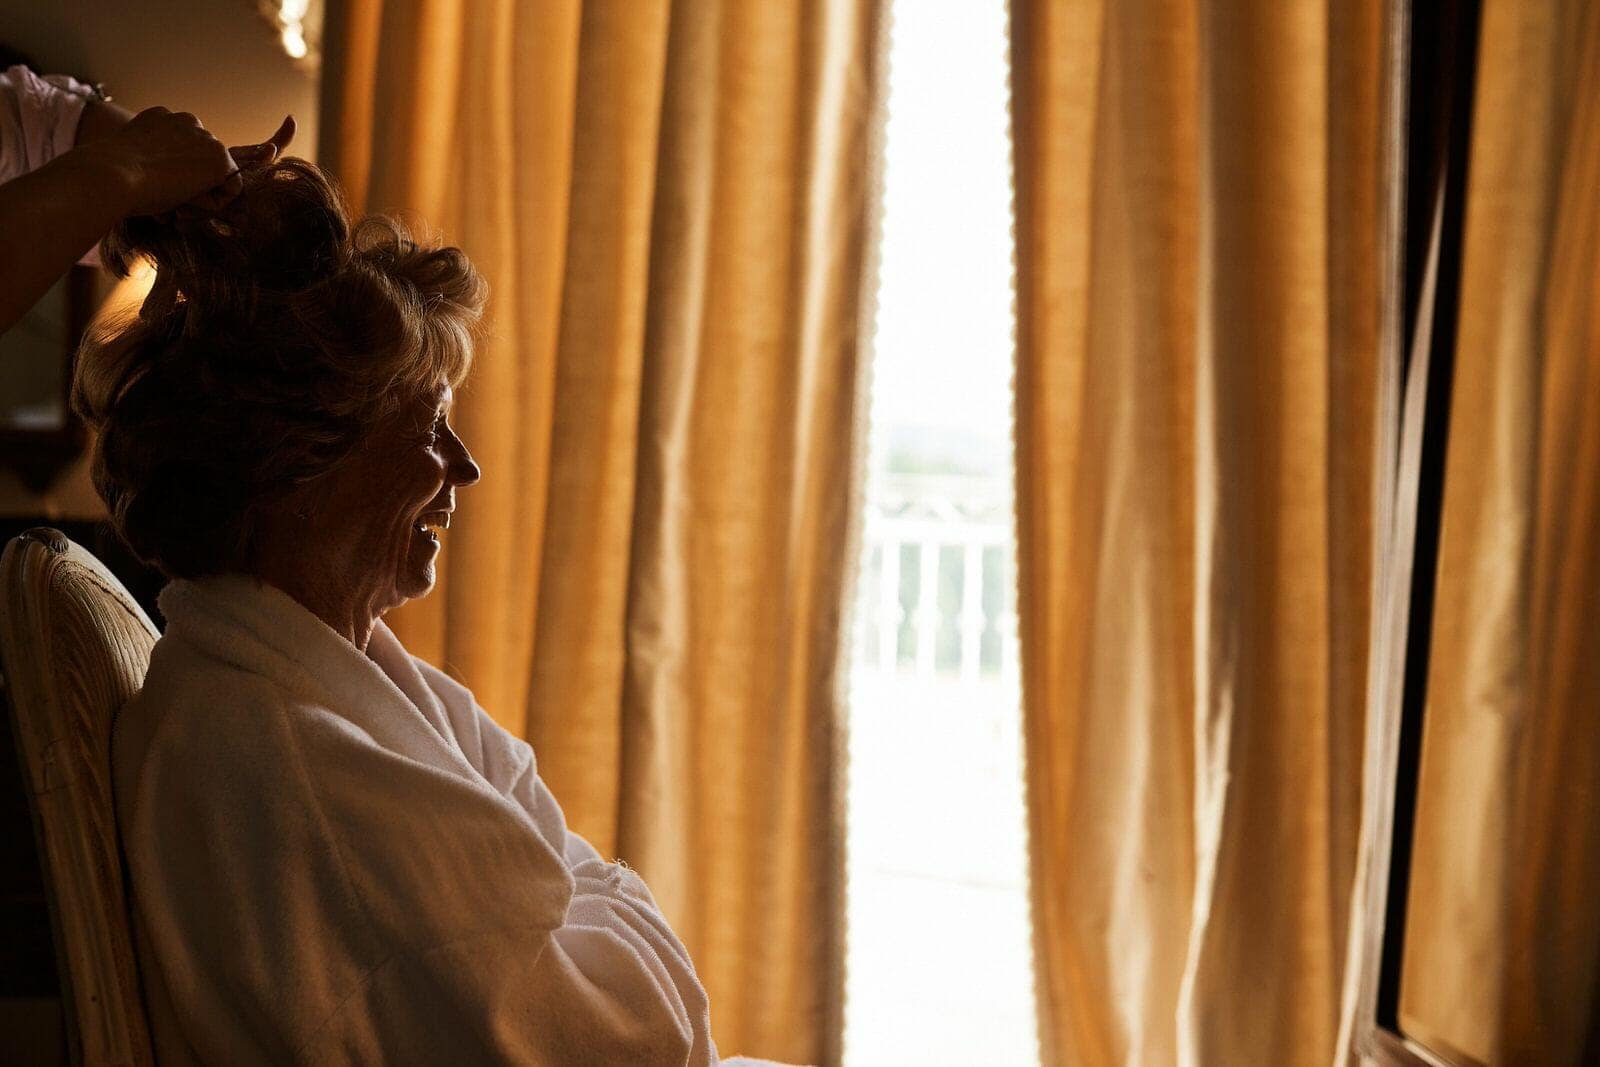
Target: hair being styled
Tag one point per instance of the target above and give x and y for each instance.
(273, 339)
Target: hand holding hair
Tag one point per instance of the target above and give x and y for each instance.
(153, 163)
(164, 159)
(214, 199)
(268, 151)
(160, 159)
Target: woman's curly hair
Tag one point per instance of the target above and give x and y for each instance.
(273, 339)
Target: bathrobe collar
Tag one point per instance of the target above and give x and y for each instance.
(261, 629)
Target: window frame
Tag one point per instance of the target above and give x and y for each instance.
(1428, 113)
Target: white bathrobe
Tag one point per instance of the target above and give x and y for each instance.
(338, 857)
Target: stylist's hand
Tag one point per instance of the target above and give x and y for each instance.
(161, 159)
(244, 158)
(259, 155)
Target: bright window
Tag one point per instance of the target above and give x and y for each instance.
(939, 955)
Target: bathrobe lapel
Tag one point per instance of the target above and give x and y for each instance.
(265, 631)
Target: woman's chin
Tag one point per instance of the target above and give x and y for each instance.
(416, 585)
(417, 573)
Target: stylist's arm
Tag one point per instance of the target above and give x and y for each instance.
(156, 162)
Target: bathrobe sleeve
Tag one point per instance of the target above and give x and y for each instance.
(609, 899)
(506, 761)
(314, 896)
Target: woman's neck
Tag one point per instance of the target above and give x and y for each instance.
(324, 591)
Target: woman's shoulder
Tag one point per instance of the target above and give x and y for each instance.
(203, 691)
(185, 692)
(198, 718)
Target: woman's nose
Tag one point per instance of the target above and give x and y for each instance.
(466, 469)
(463, 468)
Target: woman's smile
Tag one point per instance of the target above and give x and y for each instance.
(377, 522)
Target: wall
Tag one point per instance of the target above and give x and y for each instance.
(216, 58)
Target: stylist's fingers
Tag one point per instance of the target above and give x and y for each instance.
(219, 196)
(285, 133)
(255, 155)
(242, 156)
(251, 155)
(168, 157)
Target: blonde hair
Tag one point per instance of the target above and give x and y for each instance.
(273, 339)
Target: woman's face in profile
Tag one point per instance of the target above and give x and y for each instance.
(382, 513)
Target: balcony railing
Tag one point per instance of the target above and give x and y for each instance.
(937, 600)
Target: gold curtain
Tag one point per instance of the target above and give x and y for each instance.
(1502, 932)
(670, 201)
(1198, 200)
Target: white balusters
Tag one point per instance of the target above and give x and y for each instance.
(888, 619)
(971, 610)
(931, 513)
(927, 606)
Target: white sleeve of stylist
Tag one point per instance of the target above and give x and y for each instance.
(38, 122)
(38, 119)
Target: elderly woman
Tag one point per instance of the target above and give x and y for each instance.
(335, 855)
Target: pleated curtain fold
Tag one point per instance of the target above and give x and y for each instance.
(1198, 196)
(671, 202)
